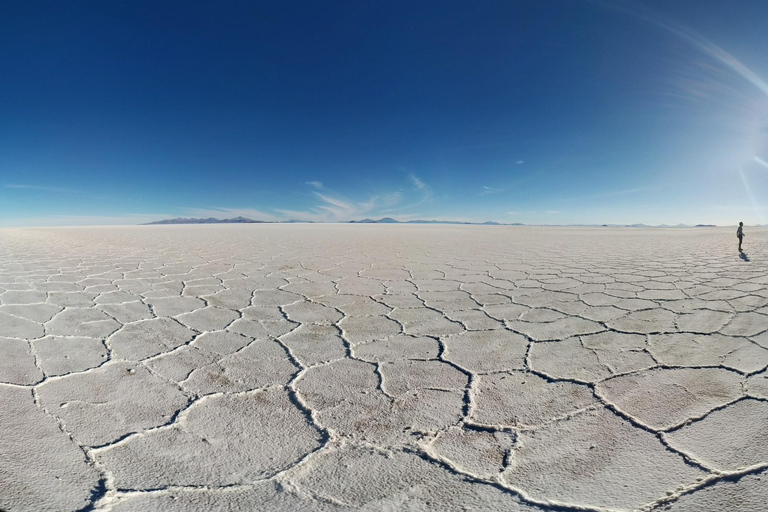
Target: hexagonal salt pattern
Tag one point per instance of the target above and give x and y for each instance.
(331, 367)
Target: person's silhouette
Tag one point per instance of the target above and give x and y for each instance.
(740, 234)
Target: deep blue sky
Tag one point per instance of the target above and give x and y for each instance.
(516, 111)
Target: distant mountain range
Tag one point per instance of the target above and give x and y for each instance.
(390, 220)
(209, 220)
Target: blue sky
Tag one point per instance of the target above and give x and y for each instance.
(546, 112)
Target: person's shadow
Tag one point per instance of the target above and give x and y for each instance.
(743, 256)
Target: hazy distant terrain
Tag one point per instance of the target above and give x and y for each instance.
(385, 367)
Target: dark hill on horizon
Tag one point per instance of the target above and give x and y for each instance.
(209, 220)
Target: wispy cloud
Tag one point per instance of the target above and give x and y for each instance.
(41, 188)
(334, 209)
(419, 186)
(520, 162)
(489, 190)
(696, 40)
(761, 162)
(315, 184)
(417, 183)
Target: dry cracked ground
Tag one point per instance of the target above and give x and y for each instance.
(331, 367)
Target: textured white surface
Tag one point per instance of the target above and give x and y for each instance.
(351, 367)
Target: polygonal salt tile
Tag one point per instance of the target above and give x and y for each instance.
(361, 329)
(491, 299)
(636, 304)
(90, 323)
(404, 375)
(599, 299)
(22, 297)
(312, 290)
(708, 350)
(241, 438)
(557, 330)
(263, 495)
(568, 359)
(541, 315)
(71, 299)
(746, 494)
(255, 283)
(596, 460)
(646, 321)
(663, 398)
(748, 358)
(594, 313)
(148, 338)
(172, 306)
(505, 311)
(518, 398)
(482, 351)
(661, 295)
(746, 324)
(400, 346)
(221, 342)
(360, 286)
(474, 320)
(116, 297)
(614, 341)
(179, 364)
(438, 284)
(365, 306)
(748, 303)
(101, 406)
(312, 344)
(728, 439)
(264, 314)
(17, 364)
(419, 322)
(17, 327)
(34, 312)
(757, 385)
(479, 452)
(367, 479)
(311, 313)
(230, 299)
(251, 328)
(702, 321)
(274, 298)
(128, 312)
(761, 339)
(59, 355)
(42, 468)
(209, 318)
(400, 287)
(260, 364)
(407, 301)
(327, 386)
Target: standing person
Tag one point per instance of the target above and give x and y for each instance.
(740, 234)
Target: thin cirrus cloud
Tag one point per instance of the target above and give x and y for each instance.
(331, 209)
(696, 40)
(417, 183)
(40, 188)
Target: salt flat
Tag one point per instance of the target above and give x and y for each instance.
(353, 367)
